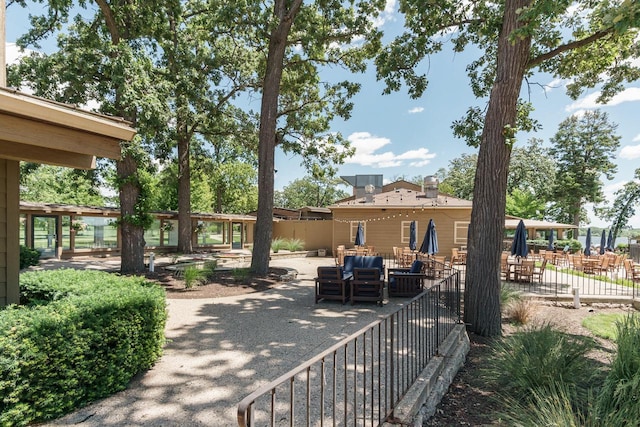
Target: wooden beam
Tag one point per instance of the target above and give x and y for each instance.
(45, 135)
(31, 153)
(19, 104)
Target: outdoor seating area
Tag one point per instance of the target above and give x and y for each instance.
(355, 278)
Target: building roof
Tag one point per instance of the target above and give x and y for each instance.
(511, 222)
(37, 130)
(113, 211)
(402, 198)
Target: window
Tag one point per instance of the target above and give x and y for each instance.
(405, 227)
(460, 232)
(170, 234)
(94, 232)
(210, 233)
(23, 229)
(353, 229)
(152, 234)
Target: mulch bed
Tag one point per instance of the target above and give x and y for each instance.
(223, 284)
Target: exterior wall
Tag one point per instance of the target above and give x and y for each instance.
(387, 228)
(315, 234)
(9, 227)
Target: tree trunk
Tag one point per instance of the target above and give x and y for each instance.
(132, 253)
(184, 196)
(486, 231)
(267, 137)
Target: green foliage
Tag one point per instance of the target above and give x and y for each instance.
(624, 206)
(193, 276)
(618, 399)
(241, 274)
(508, 295)
(277, 244)
(28, 257)
(460, 176)
(53, 184)
(287, 244)
(603, 325)
(294, 245)
(555, 406)
(310, 191)
(525, 204)
(82, 336)
(584, 150)
(574, 245)
(210, 267)
(537, 358)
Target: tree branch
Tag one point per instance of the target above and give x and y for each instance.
(533, 62)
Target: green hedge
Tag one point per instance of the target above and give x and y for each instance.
(28, 257)
(81, 336)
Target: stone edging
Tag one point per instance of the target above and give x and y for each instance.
(419, 403)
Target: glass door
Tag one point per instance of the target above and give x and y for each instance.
(236, 235)
(44, 236)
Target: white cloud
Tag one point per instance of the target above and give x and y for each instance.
(630, 152)
(389, 13)
(416, 110)
(13, 53)
(637, 138)
(628, 95)
(366, 153)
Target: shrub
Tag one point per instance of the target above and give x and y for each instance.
(83, 336)
(574, 245)
(28, 257)
(508, 295)
(521, 311)
(209, 269)
(193, 276)
(538, 357)
(551, 407)
(241, 275)
(277, 244)
(294, 245)
(618, 399)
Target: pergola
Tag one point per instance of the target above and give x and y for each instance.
(33, 129)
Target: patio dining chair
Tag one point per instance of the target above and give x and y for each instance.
(632, 270)
(538, 271)
(524, 271)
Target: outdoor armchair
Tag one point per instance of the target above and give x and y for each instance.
(367, 284)
(331, 284)
(407, 282)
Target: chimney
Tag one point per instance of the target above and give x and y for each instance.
(369, 189)
(431, 187)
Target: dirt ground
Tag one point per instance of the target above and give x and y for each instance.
(223, 284)
(468, 402)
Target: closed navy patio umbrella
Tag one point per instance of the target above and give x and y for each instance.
(359, 236)
(610, 242)
(587, 243)
(550, 245)
(430, 243)
(519, 246)
(412, 236)
(603, 242)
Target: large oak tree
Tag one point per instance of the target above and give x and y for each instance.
(589, 42)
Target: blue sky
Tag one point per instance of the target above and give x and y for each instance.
(395, 135)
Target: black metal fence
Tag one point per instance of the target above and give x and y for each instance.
(362, 378)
